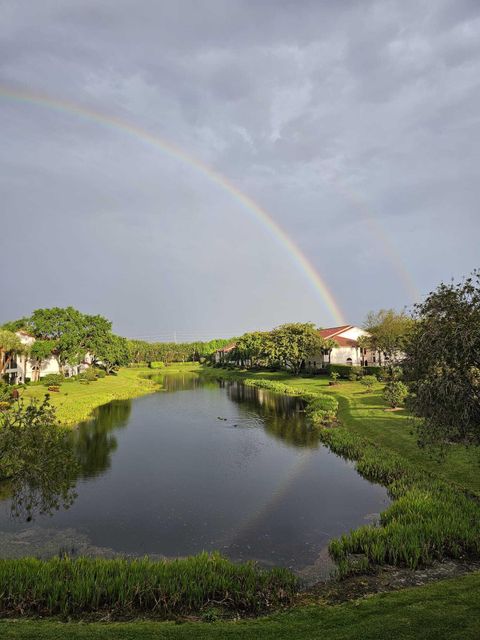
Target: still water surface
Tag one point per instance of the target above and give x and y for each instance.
(199, 466)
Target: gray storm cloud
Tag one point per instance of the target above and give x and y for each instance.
(355, 125)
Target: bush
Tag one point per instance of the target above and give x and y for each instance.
(5, 392)
(355, 374)
(334, 376)
(395, 393)
(322, 410)
(343, 370)
(53, 380)
(368, 382)
(372, 371)
(100, 373)
(156, 365)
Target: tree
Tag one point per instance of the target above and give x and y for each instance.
(389, 332)
(65, 328)
(442, 364)
(9, 344)
(252, 348)
(368, 382)
(394, 393)
(111, 352)
(39, 351)
(291, 344)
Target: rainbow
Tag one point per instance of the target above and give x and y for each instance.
(256, 211)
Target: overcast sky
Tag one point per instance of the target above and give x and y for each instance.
(356, 125)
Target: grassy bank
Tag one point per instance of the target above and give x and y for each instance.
(431, 518)
(76, 400)
(449, 609)
(129, 588)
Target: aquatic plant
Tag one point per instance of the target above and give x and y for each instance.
(121, 587)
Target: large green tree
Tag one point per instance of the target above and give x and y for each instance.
(291, 344)
(389, 333)
(442, 364)
(252, 348)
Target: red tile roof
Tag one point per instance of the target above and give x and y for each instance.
(229, 347)
(345, 342)
(333, 331)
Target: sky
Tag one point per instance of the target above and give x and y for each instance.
(354, 125)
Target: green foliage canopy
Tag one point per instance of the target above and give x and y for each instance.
(442, 364)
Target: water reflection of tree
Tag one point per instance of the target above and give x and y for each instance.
(93, 440)
(184, 381)
(282, 415)
(38, 467)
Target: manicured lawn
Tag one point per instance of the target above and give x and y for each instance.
(364, 414)
(76, 400)
(444, 610)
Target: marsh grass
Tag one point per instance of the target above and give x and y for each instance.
(428, 519)
(127, 588)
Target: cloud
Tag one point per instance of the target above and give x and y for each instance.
(354, 124)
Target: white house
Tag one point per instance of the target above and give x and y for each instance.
(20, 367)
(347, 351)
(221, 355)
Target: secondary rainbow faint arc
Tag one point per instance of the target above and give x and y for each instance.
(260, 214)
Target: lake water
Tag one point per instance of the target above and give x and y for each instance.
(202, 465)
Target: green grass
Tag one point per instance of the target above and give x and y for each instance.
(76, 400)
(161, 589)
(446, 610)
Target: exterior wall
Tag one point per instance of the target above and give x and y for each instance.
(353, 333)
(344, 354)
(25, 367)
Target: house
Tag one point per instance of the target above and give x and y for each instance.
(223, 355)
(346, 351)
(19, 367)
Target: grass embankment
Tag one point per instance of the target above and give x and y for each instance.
(430, 519)
(76, 400)
(449, 609)
(128, 588)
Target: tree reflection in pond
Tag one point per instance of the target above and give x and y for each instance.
(282, 415)
(93, 440)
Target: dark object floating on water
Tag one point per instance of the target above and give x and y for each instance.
(219, 418)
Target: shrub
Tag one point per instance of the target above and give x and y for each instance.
(322, 410)
(5, 392)
(156, 365)
(334, 376)
(373, 371)
(90, 374)
(368, 382)
(100, 373)
(355, 373)
(53, 379)
(395, 393)
(344, 370)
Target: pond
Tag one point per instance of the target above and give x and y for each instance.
(202, 465)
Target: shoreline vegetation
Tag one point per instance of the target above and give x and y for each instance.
(77, 401)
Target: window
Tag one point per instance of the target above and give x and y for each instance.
(349, 361)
